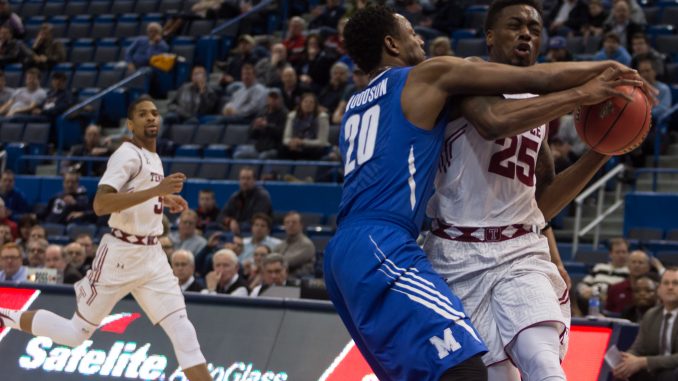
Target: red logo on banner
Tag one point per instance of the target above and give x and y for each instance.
(16, 299)
(349, 365)
(118, 323)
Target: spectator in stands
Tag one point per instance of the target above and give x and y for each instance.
(26, 98)
(295, 40)
(335, 42)
(143, 48)
(58, 98)
(566, 145)
(207, 211)
(5, 92)
(224, 278)
(613, 50)
(291, 88)
(92, 146)
(56, 259)
(360, 81)
(254, 268)
(5, 220)
(236, 244)
(248, 200)
(167, 246)
(297, 248)
(241, 55)
(78, 257)
(47, 51)
(217, 240)
(193, 99)
(26, 224)
(36, 252)
(637, 15)
(187, 237)
(557, 50)
(330, 96)
(266, 130)
(12, 265)
(604, 274)
(621, 23)
(85, 240)
(183, 266)
(595, 19)
(619, 295)
(37, 232)
(274, 273)
(70, 205)
(314, 67)
(248, 100)
(11, 20)
(11, 49)
(567, 17)
(644, 290)
(269, 69)
(653, 355)
(646, 68)
(5, 235)
(261, 235)
(440, 46)
(640, 47)
(15, 201)
(306, 131)
(200, 9)
(328, 15)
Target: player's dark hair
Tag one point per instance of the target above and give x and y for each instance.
(132, 106)
(498, 5)
(364, 35)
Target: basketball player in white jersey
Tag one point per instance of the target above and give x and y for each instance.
(133, 190)
(495, 184)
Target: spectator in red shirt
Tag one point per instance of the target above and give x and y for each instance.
(295, 40)
(620, 295)
(4, 220)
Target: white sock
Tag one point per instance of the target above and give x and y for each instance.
(10, 318)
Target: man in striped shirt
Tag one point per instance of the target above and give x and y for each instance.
(605, 274)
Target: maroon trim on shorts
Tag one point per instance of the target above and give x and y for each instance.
(489, 233)
(96, 274)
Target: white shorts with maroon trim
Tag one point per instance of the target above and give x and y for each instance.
(120, 268)
(505, 287)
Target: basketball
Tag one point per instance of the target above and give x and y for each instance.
(615, 126)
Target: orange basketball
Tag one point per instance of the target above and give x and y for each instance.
(616, 126)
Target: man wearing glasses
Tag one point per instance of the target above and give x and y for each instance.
(10, 258)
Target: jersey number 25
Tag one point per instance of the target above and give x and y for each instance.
(367, 125)
(504, 162)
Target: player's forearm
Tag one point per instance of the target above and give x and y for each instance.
(567, 184)
(559, 76)
(496, 118)
(107, 203)
(553, 247)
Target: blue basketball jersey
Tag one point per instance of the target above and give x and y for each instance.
(389, 163)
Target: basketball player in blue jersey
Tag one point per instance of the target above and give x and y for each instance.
(400, 313)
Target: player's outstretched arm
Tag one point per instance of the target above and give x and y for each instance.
(496, 117)
(107, 200)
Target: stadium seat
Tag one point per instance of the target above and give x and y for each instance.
(59, 23)
(645, 234)
(668, 258)
(127, 26)
(216, 151)
(475, 15)
(592, 44)
(14, 75)
(80, 26)
(75, 8)
(305, 172)
(651, 14)
(188, 169)
(32, 26)
(199, 28)
(73, 230)
(185, 47)
(672, 235)
(591, 257)
(208, 134)
(36, 133)
(103, 26)
(99, 7)
(145, 6)
(106, 50)
(119, 7)
(188, 150)
(311, 219)
(110, 74)
(82, 51)
(11, 132)
(213, 171)
(234, 171)
(52, 229)
(669, 16)
(170, 5)
(470, 47)
(85, 76)
(276, 169)
(181, 133)
(236, 134)
(667, 44)
(30, 8)
(464, 33)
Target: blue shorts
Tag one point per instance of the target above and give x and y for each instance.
(401, 314)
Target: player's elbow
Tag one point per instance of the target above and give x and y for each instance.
(490, 127)
(99, 208)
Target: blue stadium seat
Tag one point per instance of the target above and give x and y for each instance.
(208, 134)
(185, 47)
(475, 16)
(145, 6)
(32, 25)
(667, 44)
(80, 26)
(73, 230)
(470, 47)
(103, 26)
(276, 169)
(36, 133)
(188, 169)
(591, 257)
(188, 150)
(312, 219)
(213, 171)
(76, 7)
(110, 74)
(669, 16)
(170, 5)
(236, 134)
(668, 258)
(216, 151)
(645, 234)
(85, 76)
(651, 14)
(59, 23)
(464, 33)
(11, 132)
(199, 28)
(119, 7)
(106, 51)
(53, 7)
(305, 172)
(82, 51)
(30, 8)
(14, 75)
(127, 26)
(52, 229)
(181, 133)
(99, 7)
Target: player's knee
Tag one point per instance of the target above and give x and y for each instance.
(181, 333)
(472, 369)
(80, 331)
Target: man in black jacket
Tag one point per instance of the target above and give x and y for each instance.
(243, 204)
(183, 266)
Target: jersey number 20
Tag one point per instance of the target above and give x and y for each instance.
(367, 125)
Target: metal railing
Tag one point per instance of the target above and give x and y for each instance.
(223, 26)
(601, 214)
(655, 172)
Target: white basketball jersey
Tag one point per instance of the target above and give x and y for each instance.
(484, 183)
(133, 169)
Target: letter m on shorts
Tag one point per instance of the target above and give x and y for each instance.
(445, 345)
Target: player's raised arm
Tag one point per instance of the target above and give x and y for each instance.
(107, 200)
